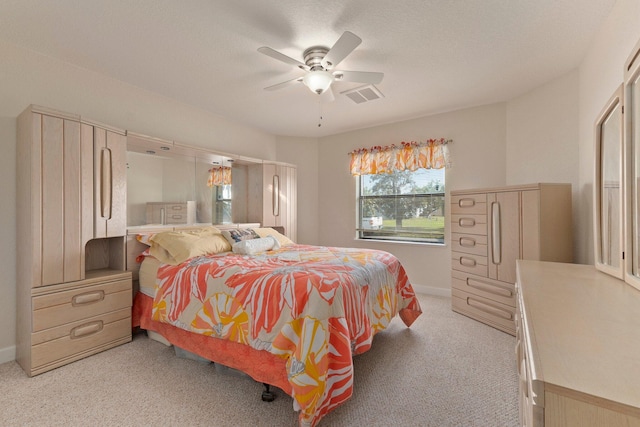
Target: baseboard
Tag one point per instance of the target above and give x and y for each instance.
(431, 290)
(7, 354)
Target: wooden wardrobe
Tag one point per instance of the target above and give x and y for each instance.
(272, 198)
(491, 228)
(73, 293)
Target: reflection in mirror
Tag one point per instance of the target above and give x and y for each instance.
(222, 213)
(608, 198)
(164, 188)
(155, 179)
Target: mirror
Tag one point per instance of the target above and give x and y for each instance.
(633, 135)
(168, 185)
(608, 188)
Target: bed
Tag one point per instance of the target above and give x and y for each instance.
(286, 314)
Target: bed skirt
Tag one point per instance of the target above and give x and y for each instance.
(260, 365)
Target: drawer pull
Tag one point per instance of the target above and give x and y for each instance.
(467, 222)
(87, 298)
(467, 262)
(487, 287)
(489, 309)
(466, 203)
(176, 208)
(176, 216)
(467, 242)
(87, 329)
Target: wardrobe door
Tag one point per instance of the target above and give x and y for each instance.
(63, 202)
(271, 195)
(110, 183)
(504, 235)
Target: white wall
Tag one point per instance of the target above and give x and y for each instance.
(542, 133)
(29, 78)
(542, 136)
(478, 153)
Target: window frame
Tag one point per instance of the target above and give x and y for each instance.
(395, 236)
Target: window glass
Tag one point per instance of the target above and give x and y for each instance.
(404, 206)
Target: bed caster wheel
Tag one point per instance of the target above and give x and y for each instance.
(267, 394)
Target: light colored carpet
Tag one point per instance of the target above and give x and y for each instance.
(446, 370)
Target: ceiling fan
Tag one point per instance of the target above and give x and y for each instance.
(320, 62)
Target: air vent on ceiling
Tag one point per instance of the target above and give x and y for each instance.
(363, 94)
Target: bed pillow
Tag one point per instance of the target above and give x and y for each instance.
(145, 238)
(253, 246)
(239, 234)
(281, 238)
(175, 247)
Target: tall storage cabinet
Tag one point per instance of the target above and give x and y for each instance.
(490, 230)
(272, 199)
(73, 293)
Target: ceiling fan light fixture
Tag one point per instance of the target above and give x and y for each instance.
(318, 81)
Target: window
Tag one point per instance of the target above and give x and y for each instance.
(402, 206)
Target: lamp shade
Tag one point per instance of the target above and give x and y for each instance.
(318, 81)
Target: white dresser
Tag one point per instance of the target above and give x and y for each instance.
(578, 347)
(493, 227)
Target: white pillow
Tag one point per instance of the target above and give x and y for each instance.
(253, 246)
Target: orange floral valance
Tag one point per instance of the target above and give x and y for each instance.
(431, 154)
(219, 176)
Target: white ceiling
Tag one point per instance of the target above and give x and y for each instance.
(436, 55)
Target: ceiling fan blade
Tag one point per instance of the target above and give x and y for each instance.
(282, 57)
(284, 84)
(343, 47)
(358, 76)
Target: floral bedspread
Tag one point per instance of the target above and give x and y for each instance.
(314, 306)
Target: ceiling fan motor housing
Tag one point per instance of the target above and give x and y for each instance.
(313, 57)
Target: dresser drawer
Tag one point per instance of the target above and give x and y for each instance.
(175, 218)
(469, 224)
(494, 290)
(469, 243)
(79, 339)
(469, 204)
(492, 313)
(69, 306)
(469, 263)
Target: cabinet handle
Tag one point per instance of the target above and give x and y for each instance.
(487, 287)
(466, 222)
(467, 242)
(87, 298)
(467, 262)
(87, 329)
(466, 203)
(276, 195)
(496, 246)
(105, 183)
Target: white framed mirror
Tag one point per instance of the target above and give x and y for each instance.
(609, 187)
(632, 166)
